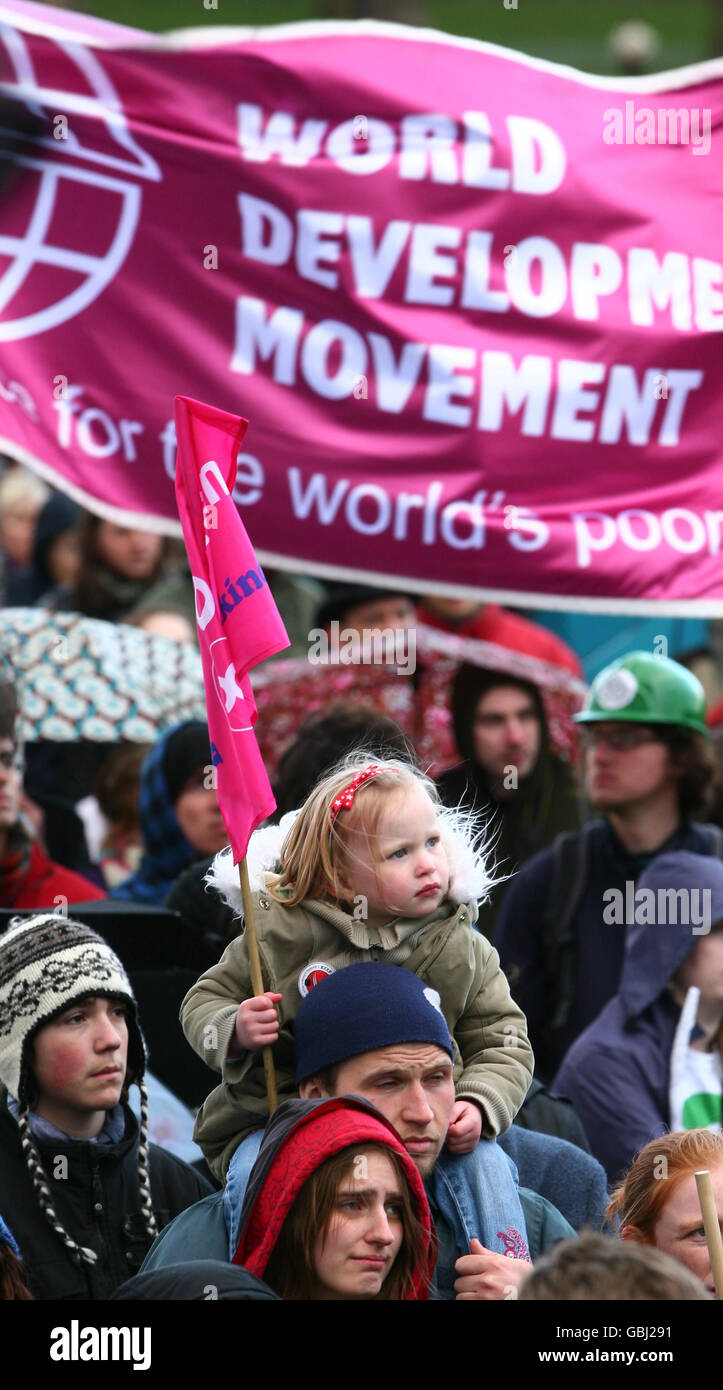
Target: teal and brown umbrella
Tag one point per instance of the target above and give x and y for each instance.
(80, 678)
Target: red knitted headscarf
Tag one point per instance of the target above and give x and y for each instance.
(337, 1124)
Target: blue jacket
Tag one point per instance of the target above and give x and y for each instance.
(599, 947)
(458, 1200)
(617, 1074)
(200, 1233)
(571, 1179)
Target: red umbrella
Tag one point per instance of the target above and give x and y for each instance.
(287, 691)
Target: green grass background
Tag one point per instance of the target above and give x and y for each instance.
(568, 31)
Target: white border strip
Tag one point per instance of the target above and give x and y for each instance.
(562, 603)
(319, 29)
(222, 35)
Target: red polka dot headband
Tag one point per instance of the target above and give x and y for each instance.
(344, 799)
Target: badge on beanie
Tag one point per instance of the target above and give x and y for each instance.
(617, 690)
(312, 974)
(434, 999)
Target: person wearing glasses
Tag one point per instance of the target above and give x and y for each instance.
(648, 772)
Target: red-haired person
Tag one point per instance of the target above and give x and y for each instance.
(657, 1201)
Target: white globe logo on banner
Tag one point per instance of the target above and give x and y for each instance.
(78, 206)
(617, 690)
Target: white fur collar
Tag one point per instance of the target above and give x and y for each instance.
(471, 879)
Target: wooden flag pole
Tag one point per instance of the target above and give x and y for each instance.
(257, 981)
(712, 1228)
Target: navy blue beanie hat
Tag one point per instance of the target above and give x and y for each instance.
(361, 1008)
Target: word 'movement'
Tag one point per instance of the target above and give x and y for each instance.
(458, 386)
(458, 265)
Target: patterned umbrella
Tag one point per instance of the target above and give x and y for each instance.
(80, 678)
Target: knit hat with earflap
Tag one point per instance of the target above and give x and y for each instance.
(47, 964)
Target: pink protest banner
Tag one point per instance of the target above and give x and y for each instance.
(238, 622)
(475, 333)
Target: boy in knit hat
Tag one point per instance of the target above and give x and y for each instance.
(82, 1189)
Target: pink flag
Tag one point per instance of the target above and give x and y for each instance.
(238, 622)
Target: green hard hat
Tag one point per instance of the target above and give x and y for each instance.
(641, 688)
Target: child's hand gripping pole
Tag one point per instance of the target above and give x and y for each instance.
(256, 976)
(713, 1237)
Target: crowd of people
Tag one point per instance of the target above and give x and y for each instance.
(493, 989)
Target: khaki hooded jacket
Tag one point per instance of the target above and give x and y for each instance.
(493, 1060)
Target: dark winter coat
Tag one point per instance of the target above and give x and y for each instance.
(573, 1181)
(546, 1113)
(98, 1203)
(617, 1074)
(195, 1281)
(520, 824)
(528, 818)
(599, 947)
(211, 924)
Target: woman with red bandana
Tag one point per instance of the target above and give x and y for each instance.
(335, 1207)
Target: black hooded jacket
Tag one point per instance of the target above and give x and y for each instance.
(529, 818)
(96, 1195)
